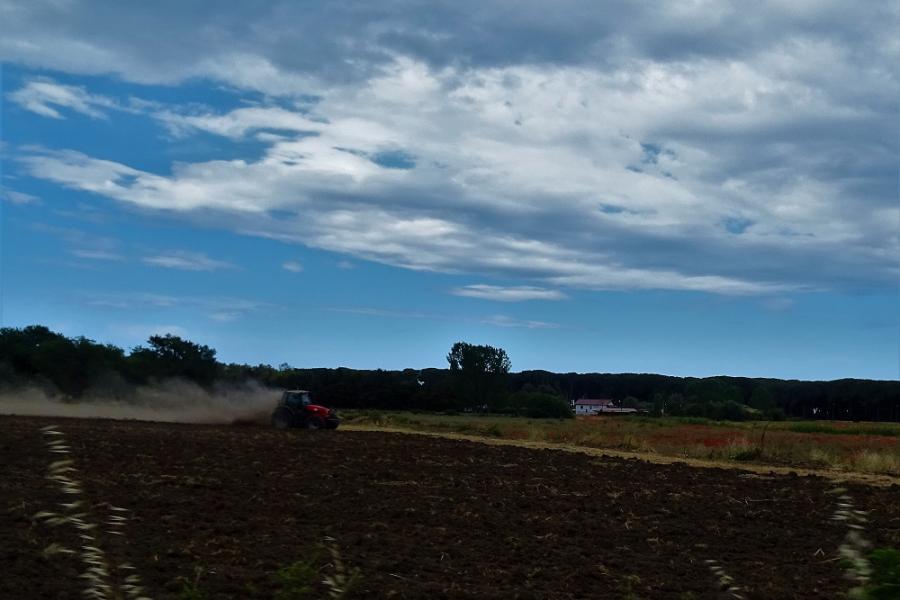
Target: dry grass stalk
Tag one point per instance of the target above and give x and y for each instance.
(726, 582)
(853, 551)
(342, 581)
(98, 576)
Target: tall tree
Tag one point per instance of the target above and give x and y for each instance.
(480, 373)
(171, 356)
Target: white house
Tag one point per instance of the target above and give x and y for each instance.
(592, 406)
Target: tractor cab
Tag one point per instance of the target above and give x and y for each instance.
(296, 399)
(296, 409)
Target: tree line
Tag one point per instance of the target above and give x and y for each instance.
(477, 378)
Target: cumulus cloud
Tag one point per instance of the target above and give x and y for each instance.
(508, 294)
(688, 149)
(292, 265)
(187, 261)
(281, 47)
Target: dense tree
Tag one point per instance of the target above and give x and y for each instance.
(39, 356)
(480, 373)
(539, 402)
(170, 356)
(75, 367)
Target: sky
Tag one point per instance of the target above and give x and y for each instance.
(688, 187)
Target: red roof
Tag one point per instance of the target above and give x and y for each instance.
(593, 402)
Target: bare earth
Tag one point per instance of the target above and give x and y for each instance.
(419, 516)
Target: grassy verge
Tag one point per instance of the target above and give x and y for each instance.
(858, 447)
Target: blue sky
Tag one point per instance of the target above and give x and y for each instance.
(610, 187)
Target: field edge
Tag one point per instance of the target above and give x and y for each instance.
(838, 476)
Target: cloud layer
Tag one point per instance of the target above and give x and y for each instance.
(186, 261)
(696, 148)
(508, 294)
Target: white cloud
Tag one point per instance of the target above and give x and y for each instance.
(620, 153)
(286, 48)
(223, 309)
(292, 265)
(493, 320)
(83, 244)
(506, 321)
(132, 301)
(45, 96)
(96, 254)
(508, 294)
(225, 316)
(187, 261)
(21, 198)
(239, 122)
(397, 314)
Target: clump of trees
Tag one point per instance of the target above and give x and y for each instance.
(74, 367)
(717, 398)
(542, 402)
(479, 374)
(169, 356)
(477, 378)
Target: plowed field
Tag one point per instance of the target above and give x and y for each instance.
(419, 517)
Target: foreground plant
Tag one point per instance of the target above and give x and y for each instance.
(853, 551)
(298, 580)
(102, 580)
(876, 573)
(190, 588)
(885, 582)
(344, 578)
(726, 582)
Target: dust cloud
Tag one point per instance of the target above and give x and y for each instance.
(173, 401)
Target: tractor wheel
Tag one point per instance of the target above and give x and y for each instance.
(315, 423)
(282, 418)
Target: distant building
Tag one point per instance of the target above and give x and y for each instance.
(592, 406)
(596, 406)
(618, 411)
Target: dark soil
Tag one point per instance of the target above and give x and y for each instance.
(419, 517)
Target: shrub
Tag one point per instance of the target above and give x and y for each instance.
(494, 431)
(297, 579)
(885, 582)
(747, 453)
(190, 588)
(375, 416)
(540, 405)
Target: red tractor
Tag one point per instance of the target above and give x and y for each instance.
(295, 409)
